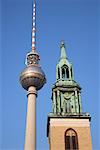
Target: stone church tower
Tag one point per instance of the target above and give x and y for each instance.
(68, 127)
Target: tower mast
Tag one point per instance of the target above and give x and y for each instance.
(32, 79)
(34, 27)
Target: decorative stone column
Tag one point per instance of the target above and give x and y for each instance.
(76, 102)
(80, 102)
(54, 103)
(58, 101)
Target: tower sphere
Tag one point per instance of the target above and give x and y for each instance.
(32, 76)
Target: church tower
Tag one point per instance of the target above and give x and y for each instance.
(68, 127)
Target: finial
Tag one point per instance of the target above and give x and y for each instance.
(63, 50)
(34, 27)
(62, 44)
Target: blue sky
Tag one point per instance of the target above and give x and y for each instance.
(74, 21)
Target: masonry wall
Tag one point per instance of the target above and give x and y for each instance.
(58, 127)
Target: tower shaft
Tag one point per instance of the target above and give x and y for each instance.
(30, 138)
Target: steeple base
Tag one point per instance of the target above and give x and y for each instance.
(69, 133)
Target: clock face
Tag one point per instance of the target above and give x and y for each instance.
(67, 95)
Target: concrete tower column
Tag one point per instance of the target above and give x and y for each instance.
(32, 79)
(30, 138)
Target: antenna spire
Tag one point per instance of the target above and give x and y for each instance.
(34, 27)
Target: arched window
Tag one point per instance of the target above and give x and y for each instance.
(71, 72)
(65, 72)
(71, 140)
(58, 73)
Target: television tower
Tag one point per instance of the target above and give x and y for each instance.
(32, 79)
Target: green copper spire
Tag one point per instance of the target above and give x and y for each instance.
(63, 51)
(66, 93)
(64, 69)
